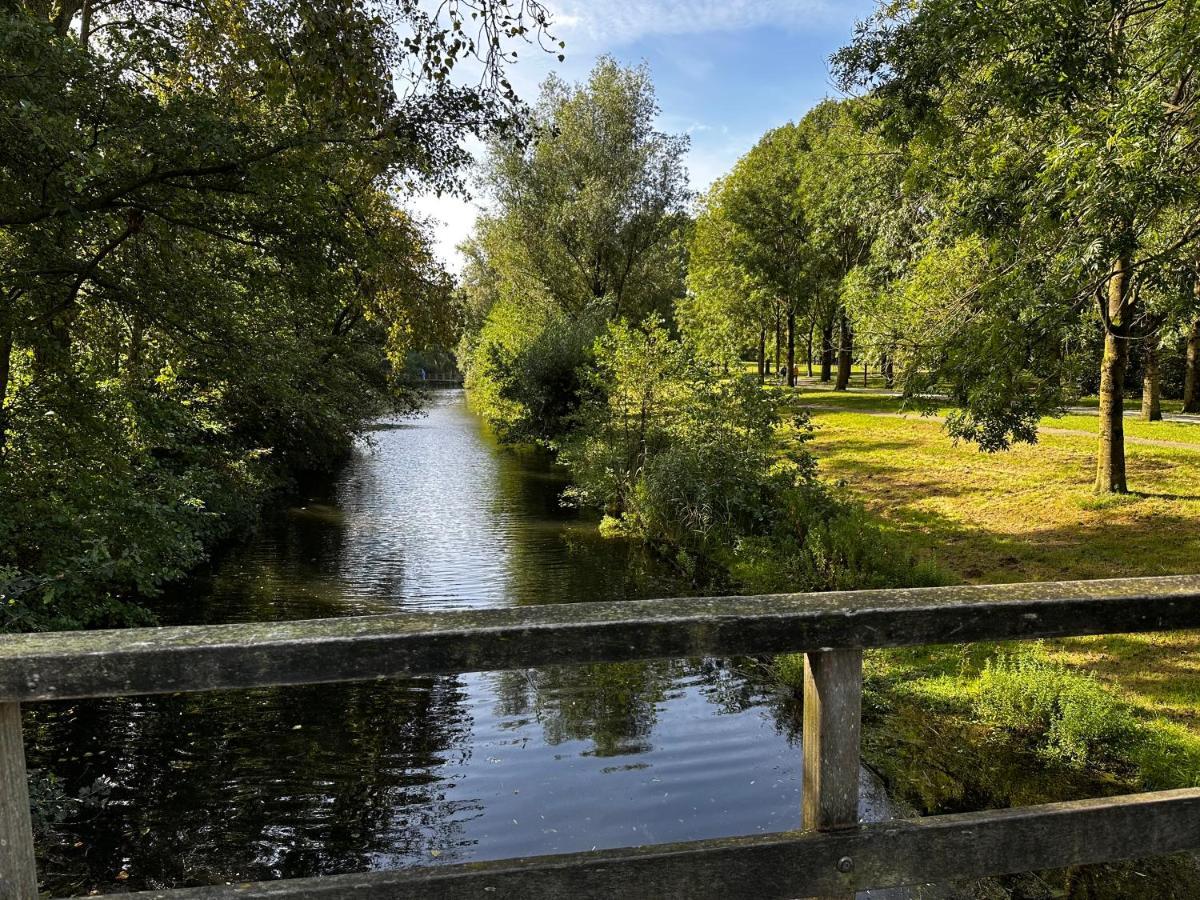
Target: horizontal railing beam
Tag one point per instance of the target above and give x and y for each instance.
(196, 658)
(890, 854)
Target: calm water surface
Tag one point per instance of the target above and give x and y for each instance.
(207, 788)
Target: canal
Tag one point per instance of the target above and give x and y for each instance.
(429, 514)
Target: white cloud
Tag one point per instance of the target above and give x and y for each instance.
(608, 23)
(591, 27)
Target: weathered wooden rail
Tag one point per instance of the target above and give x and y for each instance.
(833, 856)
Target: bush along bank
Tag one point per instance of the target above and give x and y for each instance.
(701, 466)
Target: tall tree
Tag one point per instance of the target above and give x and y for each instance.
(762, 201)
(589, 225)
(1062, 134)
(207, 278)
(597, 198)
(725, 310)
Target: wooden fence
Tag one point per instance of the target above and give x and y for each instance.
(833, 856)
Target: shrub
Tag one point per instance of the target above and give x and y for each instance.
(1071, 718)
(677, 453)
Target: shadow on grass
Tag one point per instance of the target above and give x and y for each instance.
(1151, 495)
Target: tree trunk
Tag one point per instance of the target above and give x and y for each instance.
(1151, 387)
(1191, 377)
(775, 374)
(6, 345)
(866, 372)
(812, 326)
(888, 365)
(1110, 459)
(762, 355)
(845, 353)
(85, 23)
(791, 348)
(827, 351)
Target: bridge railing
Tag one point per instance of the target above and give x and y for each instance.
(832, 856)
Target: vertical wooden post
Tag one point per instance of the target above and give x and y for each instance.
(832, 738)
(18, 869)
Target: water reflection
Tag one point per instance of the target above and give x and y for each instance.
(325, 779)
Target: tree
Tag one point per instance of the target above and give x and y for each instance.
(597, 198)
(769, 228)
(588, 227)
(207, 279)
(725, 309)
(850, 181)
(1061, 135)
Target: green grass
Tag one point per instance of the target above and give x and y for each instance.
(1030, 514)
(1162, 431)
(951, 728)
(806, 397)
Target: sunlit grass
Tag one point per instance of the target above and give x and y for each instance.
(807, 397)
(1030, 514)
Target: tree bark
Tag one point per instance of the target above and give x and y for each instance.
(812, 326)
(85, 23)
(1110, 459)
(1151, 383)
(888, 367)
(827, 351)
(791, 348)
(775, 374)
(845, 353)
(762, 355)
(1191, 377)
(6, 346)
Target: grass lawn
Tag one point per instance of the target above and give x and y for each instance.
(876, 401)
(1029, 514)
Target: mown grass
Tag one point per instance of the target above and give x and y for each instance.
(874, 400)
(1030, 514)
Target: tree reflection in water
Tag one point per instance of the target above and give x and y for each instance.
(300, 781)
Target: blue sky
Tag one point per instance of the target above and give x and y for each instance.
(725, 72)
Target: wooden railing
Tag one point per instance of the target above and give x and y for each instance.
(832, 856)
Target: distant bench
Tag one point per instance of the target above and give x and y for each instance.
(833, 856)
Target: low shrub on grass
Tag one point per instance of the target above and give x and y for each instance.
(1071, 718)
(1168, 756)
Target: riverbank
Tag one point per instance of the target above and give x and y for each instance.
(291, 782)
(936, 716)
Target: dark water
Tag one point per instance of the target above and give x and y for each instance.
(207, 788)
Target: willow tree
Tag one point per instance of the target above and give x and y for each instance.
(596, 199)
(1061, 133)
(588, 226)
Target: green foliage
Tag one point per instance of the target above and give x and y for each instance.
(592, 207)
(726, 309)
(206, 281)
(589, 228)
(1052, 139)
(842, 547)
(525, 364)
(1168, 756)
(687, 459)
(1072, 718)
